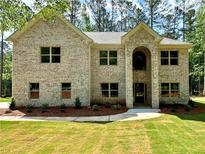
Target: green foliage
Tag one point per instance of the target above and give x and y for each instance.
(29, 108)
(196, 54)
(77, 103)
(62, 107)
(45, 107)
(12, 104)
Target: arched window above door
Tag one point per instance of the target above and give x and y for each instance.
(139, 61)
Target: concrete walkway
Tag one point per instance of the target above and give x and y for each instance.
(4, 105)
(131, 114)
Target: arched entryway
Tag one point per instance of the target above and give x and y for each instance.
(141, 61)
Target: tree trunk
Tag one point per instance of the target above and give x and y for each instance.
(1, 72)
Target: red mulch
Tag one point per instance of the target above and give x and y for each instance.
(181, 109)
(70, 111)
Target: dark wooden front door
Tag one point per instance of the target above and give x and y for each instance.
(139, 93)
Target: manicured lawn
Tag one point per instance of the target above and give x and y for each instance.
(199, 99)
(7, 99)
(167, 134)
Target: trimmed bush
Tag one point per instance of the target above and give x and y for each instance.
(12, 104)
(77, 103)
(44, 107)
(62, 107)
(117, 106)
(95, 108)
(29, 108)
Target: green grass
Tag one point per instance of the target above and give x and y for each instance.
(168, 134)
(7, 99)
(199, 99)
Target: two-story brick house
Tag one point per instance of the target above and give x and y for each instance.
(55, 62)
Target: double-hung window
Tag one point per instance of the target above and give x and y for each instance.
(169, 57)
(50, 54)
(34, 90)
(108, 57)
(109, 89)
(66, 90)
(169, 89)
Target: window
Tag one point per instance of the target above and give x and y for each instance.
(45, 55)
(170, 89)
(66, 90)
(139, 61)
(103, 58)
(173, 57)
(174, 89)
(169, 57)
(164, 57)
(112, 57)
(108, 57)
(34, 90)
(50, 54)
(109, 90)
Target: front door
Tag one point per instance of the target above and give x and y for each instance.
(139, 93)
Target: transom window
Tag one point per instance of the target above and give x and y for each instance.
(169, 89)
(34, 90)
(108, 57)
(169, 57)
(50, 54)
(66, 90)
(109, 89)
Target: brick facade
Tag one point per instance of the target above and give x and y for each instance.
(80, 66)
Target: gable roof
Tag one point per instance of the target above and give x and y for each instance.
(37, 18)
(106, 37)
(138, 27)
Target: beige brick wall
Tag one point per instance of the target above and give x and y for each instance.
(107, 74)
(80, 66)
(176, 74)
(27, 66)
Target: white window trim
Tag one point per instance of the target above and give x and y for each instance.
(170, 89)
(50, 54)
(109, 90)
(169, 57)
(108, 56)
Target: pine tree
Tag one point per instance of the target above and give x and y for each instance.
(86, 25)
(153, 13)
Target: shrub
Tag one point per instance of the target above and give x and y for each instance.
(107, 105)
(95, 108)
(77, 103)
(62, 107)
(191, 103)
(12, 104)
(117, 106)
(29, 108)
(44, 107)
(188, 108)
(161, 103)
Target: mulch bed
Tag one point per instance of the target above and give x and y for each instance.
(182, 109)
(70, 111)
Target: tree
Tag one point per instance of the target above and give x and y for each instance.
(86, 25)
(153, 13)
(74, 11)
(99, 13)
(13, 14)
(197, 54)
